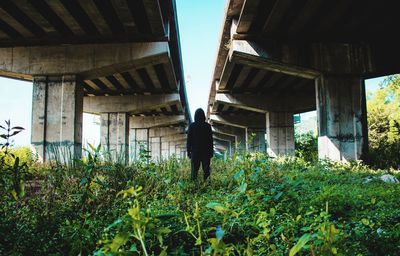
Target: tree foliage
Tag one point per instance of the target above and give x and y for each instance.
(384, 124)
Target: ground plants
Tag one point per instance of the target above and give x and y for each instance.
(253, 205)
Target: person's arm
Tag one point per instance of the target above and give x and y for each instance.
(189, 142)
(210, 141)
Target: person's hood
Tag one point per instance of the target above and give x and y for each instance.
(199, 116)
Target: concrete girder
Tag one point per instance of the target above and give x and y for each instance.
(132, 104)
(88, 61)
(238, 135)
(165, 131)
(156, 121)
(264, 103)
(228, 131)
(250, 54)
(224, 137)
(241, 121)
(177, 137)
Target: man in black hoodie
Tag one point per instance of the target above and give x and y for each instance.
(200, 144)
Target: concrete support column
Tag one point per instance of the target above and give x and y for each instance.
(280, 133)
(57, 117)
(115, 135)
(342, 118)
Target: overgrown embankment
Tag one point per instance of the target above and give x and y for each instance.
(252, 206)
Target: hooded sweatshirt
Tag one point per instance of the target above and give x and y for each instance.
(199, 140)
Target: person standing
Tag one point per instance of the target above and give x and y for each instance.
(200, 144)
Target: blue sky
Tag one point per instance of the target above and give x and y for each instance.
(199, 25)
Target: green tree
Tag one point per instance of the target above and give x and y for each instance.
(384, 124)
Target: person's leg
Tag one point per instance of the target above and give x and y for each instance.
(195, 166)
(205, 164)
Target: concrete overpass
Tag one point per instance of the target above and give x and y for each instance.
(120, 59)
(280, 57)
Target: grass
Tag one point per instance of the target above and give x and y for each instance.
(252, 206)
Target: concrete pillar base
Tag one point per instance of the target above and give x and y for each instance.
(280, 133)
(342, 124)
(57, 118)
(115, 135)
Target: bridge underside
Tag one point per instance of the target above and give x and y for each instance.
(277, 58)
(118, 59)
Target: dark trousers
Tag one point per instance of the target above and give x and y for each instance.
(205, 164)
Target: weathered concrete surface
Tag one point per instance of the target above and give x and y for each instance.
(298, 102)
(156, 137)
(342, 125)
(256, 140)
(114, 129)
(241, 121)
(280, 133)
(138, 142)
(57, 117)
(238, 135)
(132, 104)
(89, 61)
(156, 121)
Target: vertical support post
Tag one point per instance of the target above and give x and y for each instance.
(57, 117)
(341, 112)
(280, 133)
(115, 135)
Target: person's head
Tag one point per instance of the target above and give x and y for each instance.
(199, 116)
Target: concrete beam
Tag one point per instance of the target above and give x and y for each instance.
(224, 137)
(89, 61)
(165, 131)
(251, 54)
(241, 121)
(133, 104)
(155, 121)
(264, 103)
(177, 137)
(237, 135)
(228, 130)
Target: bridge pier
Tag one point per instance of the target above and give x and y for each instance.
(57, 117)
(114, 130)
(342, 117)
(280, 133)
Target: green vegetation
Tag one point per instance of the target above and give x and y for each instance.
(306, 146)
(384, 124)
(252, 206)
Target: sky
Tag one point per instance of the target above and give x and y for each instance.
(199, 27)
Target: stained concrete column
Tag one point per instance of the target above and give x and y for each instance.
(280, 133)
(341, 111)
(57, 117)
(115, 135)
